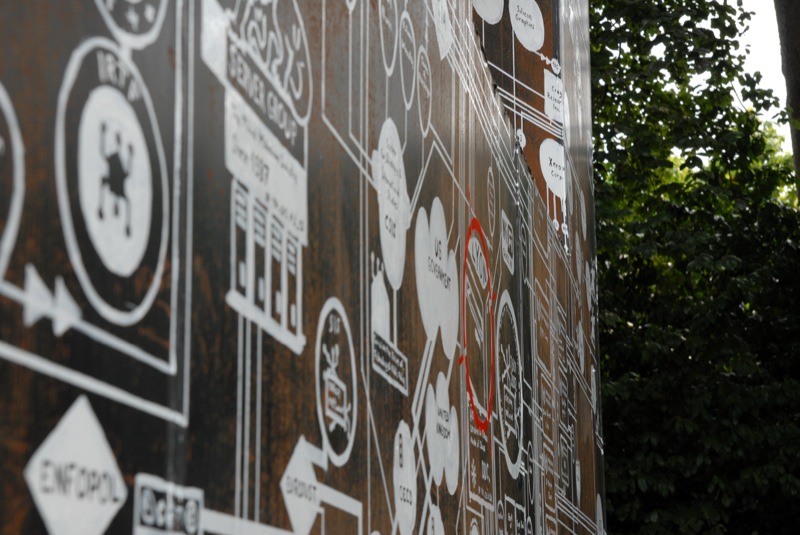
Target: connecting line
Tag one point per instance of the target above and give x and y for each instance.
(349, 152)
(497, 149)
(452, 362)
(472, 87)
(343, 502)
(497, 274)
(383, 473)
(507, 74)
(80, 380)
(427, 357)
(578, 515)
(419, 441)
(239, 358)
(176, 187)
(463, 196)
(188, 264)
(440, 148)
(424, 513)
(358, 144)
(371, 420)
(422, 174)
(448, 159)
(91, 331)
(225, 524)
(405, 132)
(259, 381)
(246, 438)
(453, 215)
(458, 507)
(428, 477)
(474, 308)
(530, 114)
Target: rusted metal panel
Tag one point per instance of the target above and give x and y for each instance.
(273, 266)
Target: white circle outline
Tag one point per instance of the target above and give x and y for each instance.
(505, 299)
(530, 472)
(133, 40)
(500, 516)
(408, 100)
(110, 313)
(423, 52)
(9, 238)
(334, 305)
(395, 483)
(491, 201)
(390, 68)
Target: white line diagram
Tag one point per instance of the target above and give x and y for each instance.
(485, 262)
(469, 334)
(533, 96)
(259, 52)
(532, 88)
(506, 401)
(123, 210)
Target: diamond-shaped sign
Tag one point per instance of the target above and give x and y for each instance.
(299, 486)
(73, 476)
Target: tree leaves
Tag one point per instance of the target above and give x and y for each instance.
(698, 242)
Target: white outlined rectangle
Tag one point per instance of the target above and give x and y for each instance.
(176, 368)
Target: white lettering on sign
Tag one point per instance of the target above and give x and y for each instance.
(424, 90)
(478, 261)
(394, 206)
(258, 158)
(554, 96)
(388, 30)
(405, 482)
(73, 476)
(408, 60)
(388, 361)
(554, 169)
(441, 425)
(162, 507)
(299, 487)
(437, 277)
(528, 23)
(75, 481)
(249, 80)
(113, 72)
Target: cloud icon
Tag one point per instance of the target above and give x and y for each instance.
(490, 10)
(441, 431)
(394, 207)
(444, 28)
(551, 159)
(437, 277)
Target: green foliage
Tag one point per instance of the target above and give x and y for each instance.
(698, 239)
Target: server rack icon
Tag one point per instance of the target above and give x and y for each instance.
(266, 267)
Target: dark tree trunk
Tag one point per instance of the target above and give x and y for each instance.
(788, 15)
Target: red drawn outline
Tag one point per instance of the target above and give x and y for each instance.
(482, 424)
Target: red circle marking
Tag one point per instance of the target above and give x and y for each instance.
(482, 424)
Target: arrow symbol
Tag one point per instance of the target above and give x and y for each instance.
(66, 312)
(38, 299)
(303, 494)
(40, 302)
(300, 488)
